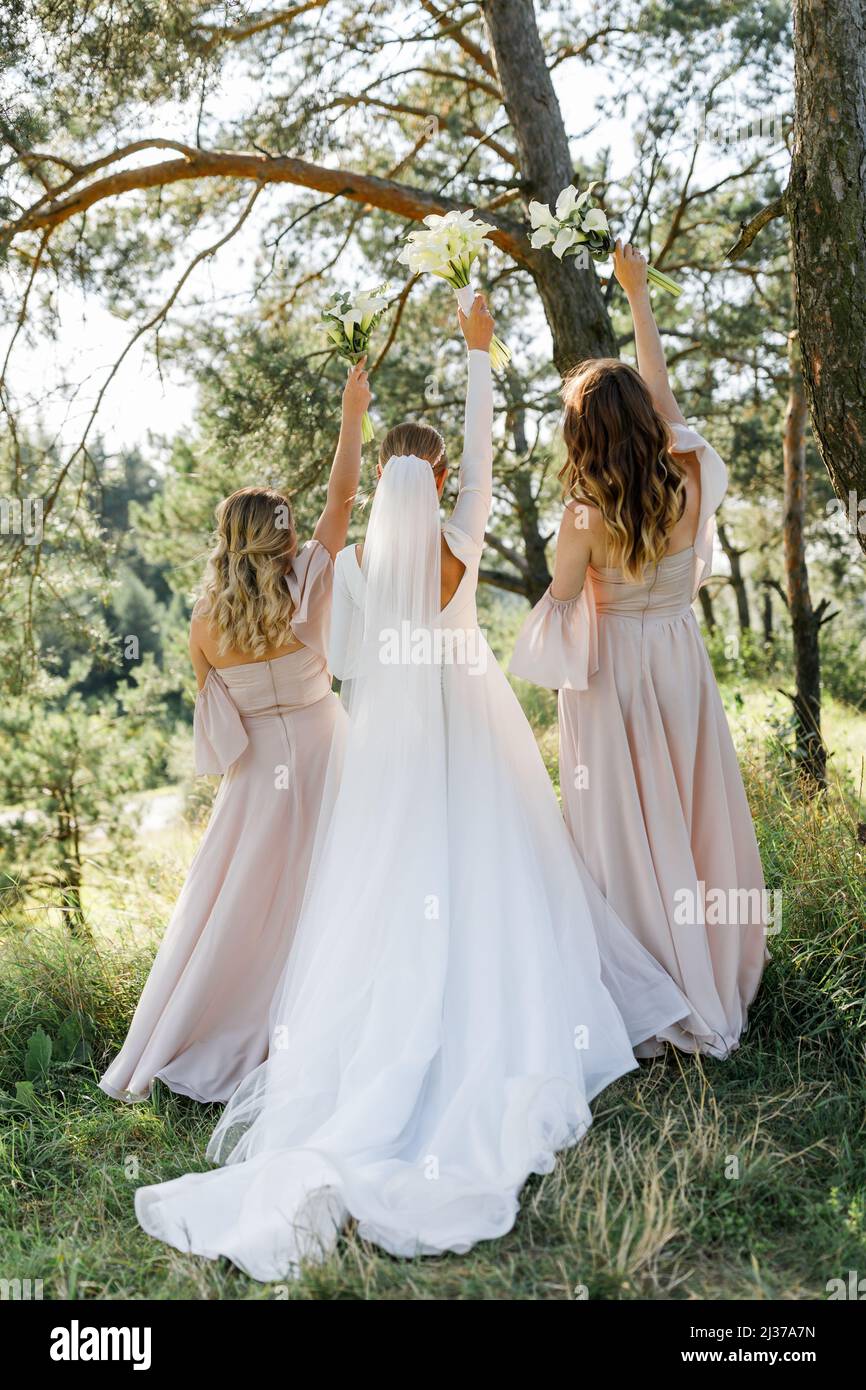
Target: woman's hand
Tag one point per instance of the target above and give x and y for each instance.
(477, 325)
(629, 267)
(356, 393)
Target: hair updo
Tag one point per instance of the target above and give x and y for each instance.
(421, 440)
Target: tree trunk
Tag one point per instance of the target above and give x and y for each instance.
(767, 616)
(810, 752)
(533, 562)
(573, 303)
(70, 873)
(706, 603)
(827, 205)
(738, 583)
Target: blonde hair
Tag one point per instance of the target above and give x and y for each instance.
(244, 593)
(619, 461)
(421, 440)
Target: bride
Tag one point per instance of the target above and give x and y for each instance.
(459, 990)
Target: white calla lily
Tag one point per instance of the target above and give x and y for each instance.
(566, 237)
(566, 202)
(595, 221)
(540, 214)
(543, 236)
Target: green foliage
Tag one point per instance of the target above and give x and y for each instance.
(37, 1058)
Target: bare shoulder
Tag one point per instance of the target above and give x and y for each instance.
(581, 522)
(200, 630)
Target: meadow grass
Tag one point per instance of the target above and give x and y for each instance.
(741, 1179)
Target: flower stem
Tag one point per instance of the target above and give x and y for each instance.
(664, 282)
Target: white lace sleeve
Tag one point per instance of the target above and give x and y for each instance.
(469, 518)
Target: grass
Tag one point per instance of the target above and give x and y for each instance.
(699, 1179)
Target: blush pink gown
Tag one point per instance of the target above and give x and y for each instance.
(651, 788)
(202, 1021)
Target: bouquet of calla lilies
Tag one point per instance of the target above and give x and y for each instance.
(449, 246)
(578, 227)
(348, 322)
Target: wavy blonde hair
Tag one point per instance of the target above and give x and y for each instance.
(619, 461)
(244, 594)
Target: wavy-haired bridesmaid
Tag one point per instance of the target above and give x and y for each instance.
(266, 718)
(651, 788)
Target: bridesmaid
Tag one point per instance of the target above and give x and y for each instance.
(652, 791)
(265, 718)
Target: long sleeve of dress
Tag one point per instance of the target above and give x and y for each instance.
(219, 736)
(342, 653)
(714, 484)
(465, 530)
(558, 644)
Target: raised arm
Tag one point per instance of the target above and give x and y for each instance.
(472, 507)
(344, 633)
(333, 525)
(630, 270)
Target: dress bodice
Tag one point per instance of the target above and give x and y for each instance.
(664, 592)
(234, 699)
(271, 687)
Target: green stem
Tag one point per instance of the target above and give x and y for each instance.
(664, 282)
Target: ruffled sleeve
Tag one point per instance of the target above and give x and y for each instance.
(311, 582)
(219, 736)
(714, 485)
(558, 644)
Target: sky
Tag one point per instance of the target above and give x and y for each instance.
(66, 374)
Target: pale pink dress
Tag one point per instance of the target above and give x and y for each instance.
(651, 788)
(202, 1021)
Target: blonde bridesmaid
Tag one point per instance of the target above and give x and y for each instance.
(266, 718)
(651, 788)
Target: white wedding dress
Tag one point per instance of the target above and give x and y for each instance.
(458, 990)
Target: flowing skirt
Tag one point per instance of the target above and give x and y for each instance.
(654, 800)
(202, 1021)
(458, 994)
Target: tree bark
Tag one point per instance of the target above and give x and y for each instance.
(767, 616)
(572, 299)
(534, 570)
(810, 752)
(827, 204)
(706, 603)
(70, 872)
(738, 583)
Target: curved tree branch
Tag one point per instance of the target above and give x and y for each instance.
(449, 29)
(386, 194)
(749, 230)
(257, 24)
